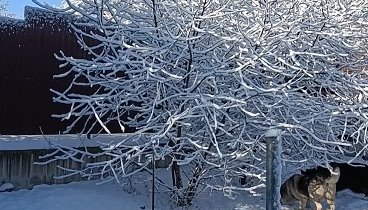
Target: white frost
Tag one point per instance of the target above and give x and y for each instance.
(273, 133)
(30, 142)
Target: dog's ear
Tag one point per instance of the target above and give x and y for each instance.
(336, 170)
(335, 176)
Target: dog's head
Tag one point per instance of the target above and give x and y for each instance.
(319, 171)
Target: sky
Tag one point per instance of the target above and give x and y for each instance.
(17, 6)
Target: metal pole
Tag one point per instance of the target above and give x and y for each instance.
(273, 169)
(153, 178)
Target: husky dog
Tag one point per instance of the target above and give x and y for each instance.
(314, 186)
(351, 177)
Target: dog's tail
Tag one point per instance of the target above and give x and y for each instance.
(334, 177)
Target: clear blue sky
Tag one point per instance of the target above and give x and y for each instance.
(17, 6)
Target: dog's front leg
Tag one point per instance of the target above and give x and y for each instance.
(318, 205)
(330, 196)
(331, 204)
(302, 204)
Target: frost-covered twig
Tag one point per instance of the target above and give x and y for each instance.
(207, 79)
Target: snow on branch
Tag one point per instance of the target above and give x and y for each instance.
(207, 79)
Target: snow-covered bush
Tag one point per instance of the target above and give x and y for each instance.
(203, 80)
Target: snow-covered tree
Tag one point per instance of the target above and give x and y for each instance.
(4, 9)
(3, 6)
(203, 80)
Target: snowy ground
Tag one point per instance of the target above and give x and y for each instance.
(89, 196)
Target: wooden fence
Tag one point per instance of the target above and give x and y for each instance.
(27, 66)
(19, 153)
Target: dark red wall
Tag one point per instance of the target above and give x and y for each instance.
(27, 66)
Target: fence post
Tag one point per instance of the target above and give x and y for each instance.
(153, 177)
(273, 169)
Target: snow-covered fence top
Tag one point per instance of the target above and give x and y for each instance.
(34, 15)
(40, 142)
(7, 21)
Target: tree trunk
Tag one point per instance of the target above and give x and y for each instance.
(176, 176)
